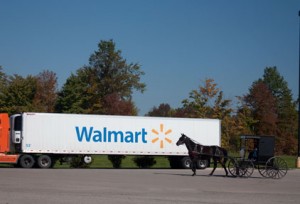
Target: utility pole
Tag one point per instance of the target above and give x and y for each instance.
(298, 159)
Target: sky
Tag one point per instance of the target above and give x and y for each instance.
(177, 43)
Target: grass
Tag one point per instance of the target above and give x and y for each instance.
(290, 160)
(101, 161)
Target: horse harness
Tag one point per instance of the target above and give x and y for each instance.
(207, 151)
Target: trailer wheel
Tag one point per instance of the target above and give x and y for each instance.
(186, 162)
(202, 164)
(44, 161)
(27, 161)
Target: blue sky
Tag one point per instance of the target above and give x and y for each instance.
(178, 43)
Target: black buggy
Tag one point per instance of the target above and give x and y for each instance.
(257, 152)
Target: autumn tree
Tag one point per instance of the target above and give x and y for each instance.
(270, 110)
(30, 93)
(115, 105)
(245, 121)
(46, 92)
(105, 86)
(286, 110)
(208, 102)
(199, 103)
(163, 110)
(262, 104)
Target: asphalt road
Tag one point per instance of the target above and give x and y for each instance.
(136, 186)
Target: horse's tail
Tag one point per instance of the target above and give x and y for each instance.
(225, 156)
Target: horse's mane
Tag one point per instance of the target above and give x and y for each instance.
(198, 143)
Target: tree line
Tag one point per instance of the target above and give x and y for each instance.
(267, 109)
(106, 85)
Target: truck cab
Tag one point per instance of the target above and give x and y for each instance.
(7, 147)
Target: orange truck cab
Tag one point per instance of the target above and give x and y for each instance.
(7, 154)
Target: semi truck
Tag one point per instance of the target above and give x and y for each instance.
(40, 139)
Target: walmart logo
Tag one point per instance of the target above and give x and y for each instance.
(161, 136)
(105, 135)
(90, 134)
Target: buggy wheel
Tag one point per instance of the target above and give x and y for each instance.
(246, 168)
(262, 169)
(276, 168)
(233, 167)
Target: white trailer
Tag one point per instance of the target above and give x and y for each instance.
(43, 138)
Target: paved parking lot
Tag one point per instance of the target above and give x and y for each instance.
(130, 186)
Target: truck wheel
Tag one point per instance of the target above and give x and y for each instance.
(202, 164)
(44, 161)
(26, 161)
(186, 162)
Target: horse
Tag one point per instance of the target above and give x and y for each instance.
(197, 151)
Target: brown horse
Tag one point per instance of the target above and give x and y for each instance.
(197, 151)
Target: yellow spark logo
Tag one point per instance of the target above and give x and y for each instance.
(161, 132)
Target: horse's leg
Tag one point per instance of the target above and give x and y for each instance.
(193, 166)
(223, 163)
(215, 166)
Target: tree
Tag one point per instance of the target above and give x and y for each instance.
(79, 94)
(263, 107)
(105, 86)
(286, 109)
(114, 105)
(270, 110)
(200, 103)
(19, 94)
(113, 74)
(208, 102)
(31, 93)
(163, 110)
(46, 91)
(245, 121)
(3, 87)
